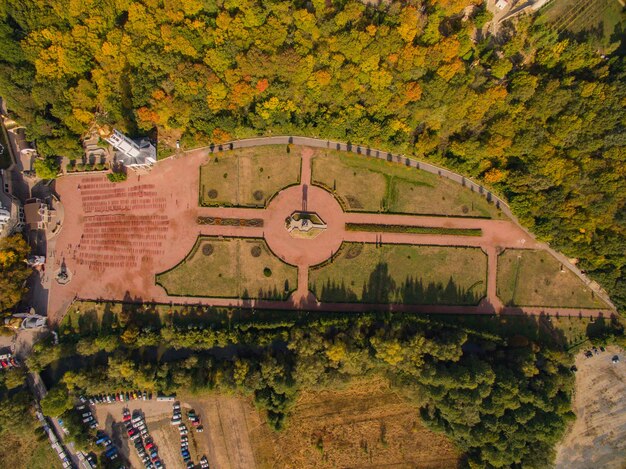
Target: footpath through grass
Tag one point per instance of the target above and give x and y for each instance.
(535, 278)
(230, 268)
(248, 177)
(399, 273)
(372, 185)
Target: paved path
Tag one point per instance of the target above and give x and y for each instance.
(116, 238)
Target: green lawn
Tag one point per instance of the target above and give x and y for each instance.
(402, 274)
(230, 268)
(248, 177)
(535, 278)
(600, 20)
(369, 184)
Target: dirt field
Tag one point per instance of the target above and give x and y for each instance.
(363, 426)
(224, 440)
(227, 422)
(598, 437)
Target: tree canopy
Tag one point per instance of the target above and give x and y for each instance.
(539, 117)
(502, 397)
(13, 270)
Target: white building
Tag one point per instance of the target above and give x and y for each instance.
(5, 218)
(131, 154)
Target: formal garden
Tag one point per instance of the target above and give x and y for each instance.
(248, 177)
(535, 278)
(398, 273)
(373, 185)
(230, 268)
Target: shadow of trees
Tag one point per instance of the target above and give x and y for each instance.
(381, 288)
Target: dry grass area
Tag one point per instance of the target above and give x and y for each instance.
(535, 278)
(227, 422)
(364, 426)
(597, 439)
(248, 177)
(28, 451)
(372, 185)
(230, 268)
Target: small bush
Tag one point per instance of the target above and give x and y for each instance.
(117, 177)
(267, 272)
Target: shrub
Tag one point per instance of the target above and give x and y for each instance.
(267, 272)
(117, 177)
(46, 168)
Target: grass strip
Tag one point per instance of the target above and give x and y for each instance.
(373, 227)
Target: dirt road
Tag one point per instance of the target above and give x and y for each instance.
(598, 437)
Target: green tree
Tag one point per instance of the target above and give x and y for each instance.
(57, 401)
(46, 168)
(13, 270)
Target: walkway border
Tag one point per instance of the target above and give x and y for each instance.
(409, 162)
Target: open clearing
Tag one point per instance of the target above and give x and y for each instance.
(365, 425)
(230, 268)
(535, 278)
(597, 439)
(28, 451)
(374, 185)
(402, 274)
(248, 177)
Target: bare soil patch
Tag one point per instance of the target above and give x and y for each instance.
(598, 436)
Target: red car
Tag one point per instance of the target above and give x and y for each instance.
(150, 445)
(132, 431)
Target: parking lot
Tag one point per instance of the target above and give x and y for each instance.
(162, 434)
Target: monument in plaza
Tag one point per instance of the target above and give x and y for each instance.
(302, 224)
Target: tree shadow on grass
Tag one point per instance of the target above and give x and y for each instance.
(381, 288)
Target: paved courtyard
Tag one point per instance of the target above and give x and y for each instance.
(117, 237)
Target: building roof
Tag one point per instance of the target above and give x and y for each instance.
(146, 156)
(36, 214)
(12, 206)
